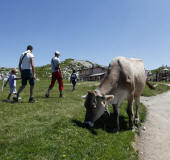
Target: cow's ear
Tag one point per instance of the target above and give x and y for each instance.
(90, 92)
(109, 98)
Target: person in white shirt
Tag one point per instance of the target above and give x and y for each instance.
(56, 75)
(26, 67)
(12, 83)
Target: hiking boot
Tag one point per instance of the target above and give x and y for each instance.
(15, 99)
(61, 96)
(31, 100)
(46, 95)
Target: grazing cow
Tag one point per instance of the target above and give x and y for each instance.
(125, 79)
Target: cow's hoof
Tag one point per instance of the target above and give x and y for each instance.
(115, 130)
(136, 121)
(133, 129)
(86, 125)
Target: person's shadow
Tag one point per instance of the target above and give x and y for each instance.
(105, 122)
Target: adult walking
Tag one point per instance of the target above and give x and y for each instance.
(56, 75)
(26, 67)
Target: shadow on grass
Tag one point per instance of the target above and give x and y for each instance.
(13, 102)
(105, 123)
(82, 125)
(50, 97)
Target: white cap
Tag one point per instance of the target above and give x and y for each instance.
(57, 52)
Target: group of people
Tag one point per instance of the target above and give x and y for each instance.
(27, 70)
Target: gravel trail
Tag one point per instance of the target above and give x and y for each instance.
(154, 141)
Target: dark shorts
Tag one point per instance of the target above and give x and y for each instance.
(27, 75)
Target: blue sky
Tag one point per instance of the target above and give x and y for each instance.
(95, 30)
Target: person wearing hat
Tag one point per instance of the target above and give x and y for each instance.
(56, 75)
(12, 83)
(27, 70)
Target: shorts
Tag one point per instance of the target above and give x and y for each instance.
(74, 82)
(27, 75)
(13, 90)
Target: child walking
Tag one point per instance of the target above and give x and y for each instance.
(12, 83)
(73, 79)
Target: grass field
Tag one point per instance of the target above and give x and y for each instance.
(159, 89)
(51, 129)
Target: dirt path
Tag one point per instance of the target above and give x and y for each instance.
(154, 142)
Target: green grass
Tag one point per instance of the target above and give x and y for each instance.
(52, 129)
(159, 89)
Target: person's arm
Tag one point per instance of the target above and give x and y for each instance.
(58, 64)
(33, 68)
(17, 78)
(19, 66)
(75, 77)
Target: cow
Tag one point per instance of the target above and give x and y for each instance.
(125, 79)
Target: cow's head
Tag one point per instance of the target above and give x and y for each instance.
(95, 104)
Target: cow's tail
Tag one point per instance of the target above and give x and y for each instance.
(150, 85)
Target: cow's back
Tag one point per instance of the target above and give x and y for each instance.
(139, 75)
(134, 71)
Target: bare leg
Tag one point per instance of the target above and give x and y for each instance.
(61, 93)
(9, 95)
(31, 91)
(20, 90)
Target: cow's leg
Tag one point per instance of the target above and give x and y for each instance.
(116, 117)
(130, 112)
(137, 102)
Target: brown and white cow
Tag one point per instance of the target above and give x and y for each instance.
(125, 79)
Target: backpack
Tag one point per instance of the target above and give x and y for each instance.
(73, 76)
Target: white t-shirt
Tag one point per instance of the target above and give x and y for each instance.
(54, 63)
(26, 61)
(12, 81)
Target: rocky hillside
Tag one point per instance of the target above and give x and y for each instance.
(67, 67)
